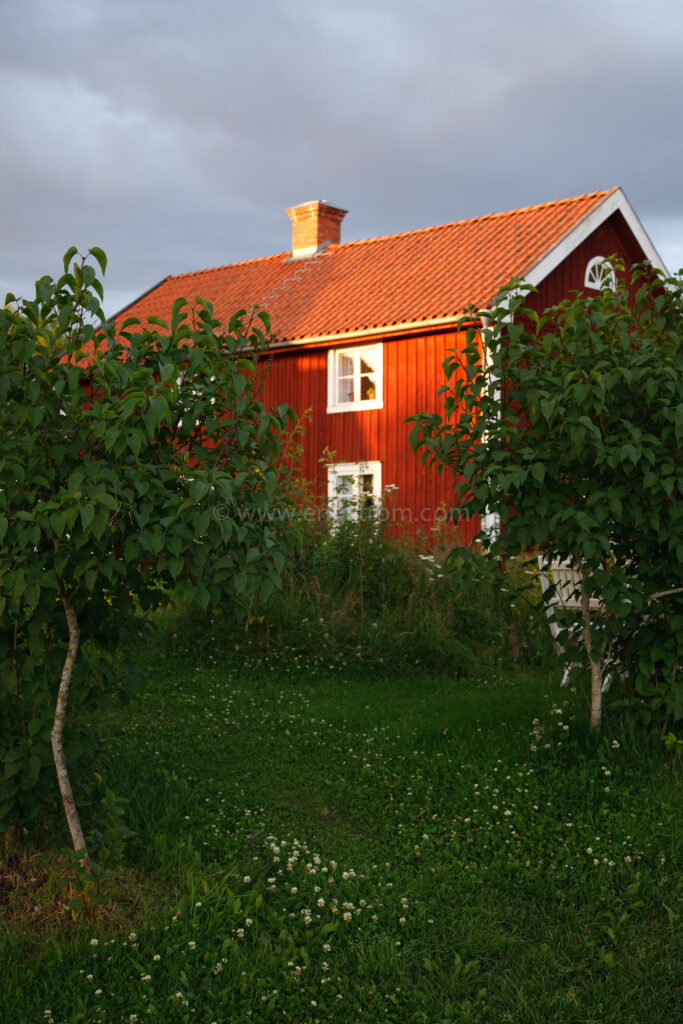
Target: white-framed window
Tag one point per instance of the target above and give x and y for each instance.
(354, 378)
(353, 487)
(599, 274)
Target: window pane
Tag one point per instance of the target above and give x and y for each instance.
(368, 389)
(345, 390)
(344, 486)
(367, 362)
(344, 365)
(345, 375)
(366, 490)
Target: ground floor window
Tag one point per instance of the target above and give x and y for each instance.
(353, 487)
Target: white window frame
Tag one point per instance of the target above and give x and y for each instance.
(599, 274)
(355, 470)
(356, 353)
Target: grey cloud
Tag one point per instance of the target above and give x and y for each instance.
(174, 134)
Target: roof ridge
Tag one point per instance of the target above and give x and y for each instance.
(481, 217)
(399, 234)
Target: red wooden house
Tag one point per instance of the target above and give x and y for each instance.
(361, 328)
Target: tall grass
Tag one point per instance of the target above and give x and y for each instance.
(353, 591)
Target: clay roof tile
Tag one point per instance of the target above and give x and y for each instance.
(410, 277)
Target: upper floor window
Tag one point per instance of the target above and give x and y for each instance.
(354, 378)
(599, 274)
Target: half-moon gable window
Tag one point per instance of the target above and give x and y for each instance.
(599, 274)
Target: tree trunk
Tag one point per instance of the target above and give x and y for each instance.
(58, 729)
(594, 661)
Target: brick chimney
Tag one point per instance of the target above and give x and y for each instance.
(314, 226)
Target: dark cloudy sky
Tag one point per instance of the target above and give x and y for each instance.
(173, 133)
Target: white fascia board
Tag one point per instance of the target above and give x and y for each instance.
(617, 201)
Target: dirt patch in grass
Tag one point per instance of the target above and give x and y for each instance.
(37, 890)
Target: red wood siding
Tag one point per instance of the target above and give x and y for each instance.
(413, 374)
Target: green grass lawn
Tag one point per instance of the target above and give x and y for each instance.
(331, 844)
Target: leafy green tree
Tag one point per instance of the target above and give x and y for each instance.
(132, 459)
(568, 425)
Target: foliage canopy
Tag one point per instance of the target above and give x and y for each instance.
(132, 458)
(569, 427)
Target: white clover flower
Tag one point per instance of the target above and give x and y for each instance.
(94, 942)
(192, 945)
(246, 879)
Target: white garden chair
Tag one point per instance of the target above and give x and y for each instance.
(566, 598)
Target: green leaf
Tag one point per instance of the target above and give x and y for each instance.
(158, 411)
(68, 256)
(100, 256)
(56, 521)
(87, 513)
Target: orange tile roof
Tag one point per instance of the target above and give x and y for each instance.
(381, 282)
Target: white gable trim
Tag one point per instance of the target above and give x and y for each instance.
(613, 202)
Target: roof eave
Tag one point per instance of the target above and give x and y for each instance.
(404, 327)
